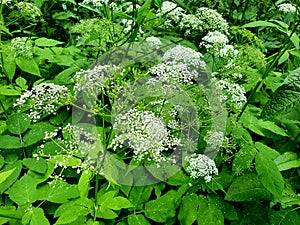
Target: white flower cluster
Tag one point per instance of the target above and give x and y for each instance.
(287, 8)
(190, 23)
(172, 12)
(214, 139)
(130, 8)
(179, 64)
(145, 133)
(29, 10)
(153, 42)
(236, 92)
(45, 98)
(6, 2)
(93, 81)
(201, 166)
(212, 20)
(22, 46)
(96, 3)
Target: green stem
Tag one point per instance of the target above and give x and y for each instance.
(285, 47)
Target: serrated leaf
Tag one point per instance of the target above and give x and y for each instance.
(38, 217)
(159, 210)
(269, 174)
(139, 195)
(28, 65)
(21, 82)
(16, 167)
(210, 216)
(267, 151)
(37, 165)
(137, 220)
(18, 123)
(9, 91)
(118, 203)
(84, 183)
(106, 213)
(6, 174)
(23, 191)
(46, 42)
(285, 98)
(247, 188)
(295, 40)
(188, 209)
(226, 208)
(66, 212)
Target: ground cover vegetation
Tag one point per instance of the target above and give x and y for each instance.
(149, 112)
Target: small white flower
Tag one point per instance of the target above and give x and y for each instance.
(22, 46)
(96, 3)
(287, 8)
(154, 42)
(201, 166)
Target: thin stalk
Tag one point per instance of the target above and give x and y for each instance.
(286, 46)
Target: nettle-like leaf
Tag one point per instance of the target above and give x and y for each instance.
(247, 188)
(23, 191)
(28, 65)
(243, 159)
(37, 165)
(188, 209)
(35, 216)
(137, 220)
(285, 98)
(209, 213)
(268, 171)
(287, 160)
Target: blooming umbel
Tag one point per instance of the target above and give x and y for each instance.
(172, 12)
(22, 46)
(44, 99)
(153, 42)
(145, 134)
(201, 166)
(214, 139)
(96, 3)
(29, 10)
(214, 40)
(287, 8)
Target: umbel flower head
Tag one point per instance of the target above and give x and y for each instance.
(22, 46)
(201, 166)
(44, 99)
(144, 133)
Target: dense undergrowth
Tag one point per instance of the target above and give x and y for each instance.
(149, 112)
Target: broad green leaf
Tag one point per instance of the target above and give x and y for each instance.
(118, 203)
(38, 217)
(137, 220)
(8, 181)
(139, 195)
(247, 188)
(6, 174)
(65, 77)
(243, 159)
(84, 183)
(143, 11)
(10, 142)
(269, 174)
(106, 213)
(10, 66)
(226, 208)
(21, 82)
(283, 58)
(70, 212)
(2, 161)
(188, 209)
(10, 212)
(159, 210)
(285, 98)
(23, 191)
(18, 123)
(210, 216)
(40, 178)
(295, 40)
(267, 151)
(287, 160)
(46, 42)
(28, 65)
(59, 191)
(259, 23)
(3, 126)
(37, 165)
(37, 133)
(242, 136)
(291, 218)
(9, 91)
(178, 179)
(289, 165)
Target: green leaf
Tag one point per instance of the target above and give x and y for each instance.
(28, 65)
(137, 220)
(64, 77)
(46, 42)
(267, 151)
(247, 188)
(10, 142)
(210, 216)
(295, 40)
(23, 191)
(259, 23)
(21, 82)
(16, 168)
(242, 136)
(188, 209)
(37, 133)
(106, 213)
(9, 91)
(71, 211)
(139, 195)
(10, 212)
(287, 160)
(59, 191)
(84, 183)
(37, 165)
(143, 11)
(269, 174)
(159, 210)
(38, 217)
(243, 159)
(226, 208)
(10, 66)
(285, 98)
(291, 218)
(118, 203)
(18, 123)
(283, 58)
